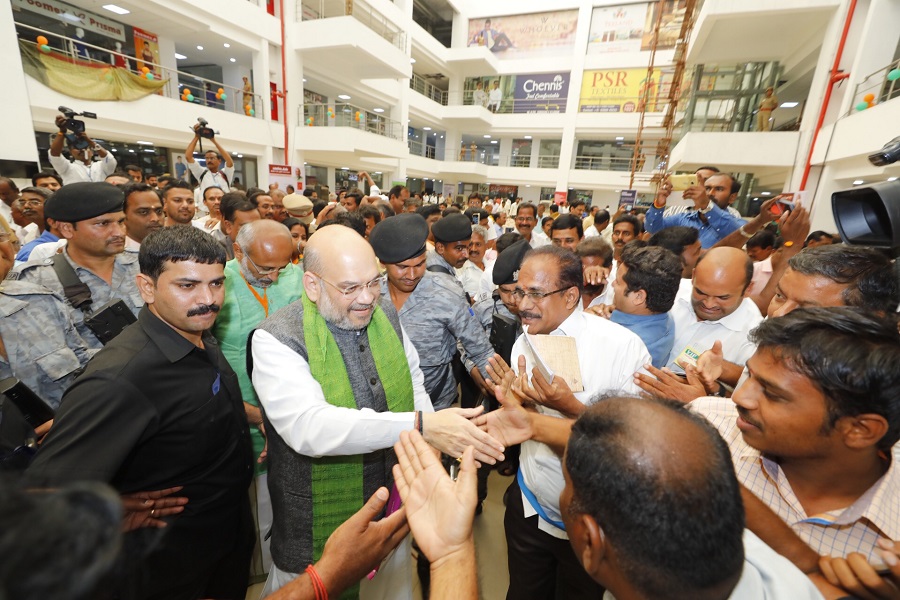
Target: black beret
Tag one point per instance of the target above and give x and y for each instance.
(85, 200)
(452, 228)
(506, 269)
(399, 238)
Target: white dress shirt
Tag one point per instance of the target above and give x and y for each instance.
(296, 406)
(538, 238)
(43, 251)
(733, 331)
(470, 276)
(609, 355)
(76, 171)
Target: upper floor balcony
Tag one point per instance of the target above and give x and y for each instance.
(344, 129)
(350, 38)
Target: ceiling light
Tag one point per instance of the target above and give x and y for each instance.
(426, 129)
(143, 143)
(345, 168)
(789, 104)
(892, 179)
(858, 182)
(227, 45)
(304, 80)
(766, 193)
(619, 139)
(527, 186)
(378, 172)
(412, 61)
(493, 141)
(527, 137)
(132, 151)
(116, 9)
(487, 137)
(240, 156)
(180, 57)
(114, 150)
(379, 110)
(343, 97)
(149, 150)
(233, 59)
(199, 47)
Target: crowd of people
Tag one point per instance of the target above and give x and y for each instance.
(253, 385)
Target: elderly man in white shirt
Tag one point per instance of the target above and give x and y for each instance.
(549, 292)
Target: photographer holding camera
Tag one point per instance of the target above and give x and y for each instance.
(82, 168)
(212, 175)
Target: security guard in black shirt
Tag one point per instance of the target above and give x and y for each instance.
(160, 407)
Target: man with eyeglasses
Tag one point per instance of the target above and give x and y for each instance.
(32, 202)
(338, 380)
(549, 294)
(259, 280)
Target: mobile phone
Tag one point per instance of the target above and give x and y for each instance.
(682, 182)
(475, 220)
(627, 208)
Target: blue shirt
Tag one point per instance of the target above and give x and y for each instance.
(656, 331)
(44, 238)
(718, 223)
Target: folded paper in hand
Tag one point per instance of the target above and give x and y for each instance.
(556, 356)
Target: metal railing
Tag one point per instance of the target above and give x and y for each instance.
(421, 149)
(204, 90)
(428, 90)
(878, 85)
(311, 10)
(341, 114)
(507, 105)
(606, 163)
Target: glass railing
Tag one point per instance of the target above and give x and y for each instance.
(97, 61)
(348, 115)
(615, 104)
(877, 87)
(311, 10)
(418, 84)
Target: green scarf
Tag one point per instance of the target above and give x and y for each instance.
(337, 481)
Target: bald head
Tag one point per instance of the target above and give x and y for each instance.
(660, 484)
(720, 281)
(263, 248)
(341, 277)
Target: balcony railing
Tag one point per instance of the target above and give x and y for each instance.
(418, 84)
(417, 148)
(878, 85)
(348, 115)
(311, 10)
(203, 90)
(507, 105)
(606, 163)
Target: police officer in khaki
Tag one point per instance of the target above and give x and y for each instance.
(90, 217)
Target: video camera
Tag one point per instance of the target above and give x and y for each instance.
(76, 127)
(205, 131)
(889, 154)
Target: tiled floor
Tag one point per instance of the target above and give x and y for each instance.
(490, 546)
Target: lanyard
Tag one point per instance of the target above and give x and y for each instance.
(263, 300)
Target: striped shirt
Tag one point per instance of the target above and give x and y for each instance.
(855, 528)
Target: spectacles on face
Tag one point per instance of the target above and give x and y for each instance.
(31, 202)
(351, 292)
(518, 294)
(263, 272)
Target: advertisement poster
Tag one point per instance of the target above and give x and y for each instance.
(505, 191)
(627, 198)
(623, 90)
(530, 93)
(283, 176)
(525, 36)
(560, 198)
(617, 28)
(146, 50)
(669, 27)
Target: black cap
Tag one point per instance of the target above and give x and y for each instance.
(506, 269)
(471, 212)
(452, 228)
(85, 200)
(399, 238)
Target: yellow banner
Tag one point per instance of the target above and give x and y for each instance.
(86, 81)
(622, 90)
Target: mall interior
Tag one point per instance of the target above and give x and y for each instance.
(573, 98)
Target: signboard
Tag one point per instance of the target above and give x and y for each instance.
(545, 92)
(75, 17)
(525, 36)
(559, 198)
(146, 49)
(529, 93)
(617, 28)
(283, 176)
(623, 90)
(629, 27)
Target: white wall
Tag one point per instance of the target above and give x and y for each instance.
(18, 134)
